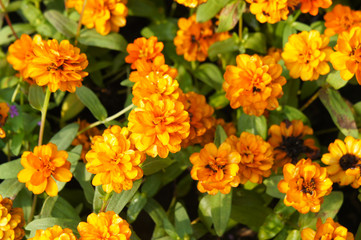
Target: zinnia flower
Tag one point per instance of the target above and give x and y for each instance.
(41, 166)
(306, 55)
(103, 15)
(344, 161)
(341, 19)
(191, 3)
(256, 157)
(12, 220)
(255, 84)
(275, 53)
(4, 111)
(158, 126)
(327, 231)
(289, 142)
(105, 226)
(54, 233)
(270, 11)
(312, 6)
(305, 185)
(59, 66)
(215, 169)
(114, 160)
(143, 49)
(347, 57)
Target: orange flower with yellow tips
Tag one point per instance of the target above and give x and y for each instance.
(58, 66)
(347, 57)
(341, 19)
(254, 84)
(105, 226)
(312, 6)
(327, 231)
(4, 110)
(215, 169)
(256, 157)
(343, 161)
(54, 233)
(143, 49)
(306, 55)
(270, 11)
(191, 3)
(104, 15)
(42, 166)
(12, 220)
(158, 126)
(114, 160)
(305, 185)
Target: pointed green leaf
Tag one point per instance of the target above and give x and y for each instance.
(210, 74)
(10, 187)
(61, 23)
(10, 169)
(221, 205)
(209, 9)
(114, 41)
(153, 165)
(91, 101)
(253, 124)
(65, 136)
(182, 222)
(36, 96)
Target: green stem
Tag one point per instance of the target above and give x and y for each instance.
(240, 27)
(97, 123)
(79, 23)
(44, 110)
(105, 202)
(13, 98)
(295, 17)
(33, 206)
(8, 21)
(311, 100)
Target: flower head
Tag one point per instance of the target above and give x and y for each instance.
(12, 220)
(255, 84)
(305, 185)
(289, 142)
(41, 166)
(215, 169)
(4, 111)
(105, 226)
(54, 233)
(275, 53)
(158, 126)
(191, 3)
(312, 6)
(114, 160)
(306, 55)
(270, 11)
(59, 66)
(103, 15)
(327, 231)
(344, 161)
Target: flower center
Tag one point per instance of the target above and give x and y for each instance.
(308, 187)
(348, 161)
(216, 165)
(293, 146)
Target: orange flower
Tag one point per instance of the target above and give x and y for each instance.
(255, 84)
(103, 15)
(105, 226)
(59, 66)
(347, 57)
(305, 185)
(191, 3)
(158, 126)
(41, 166)
(306, 55)
(341, 19)
(54, 233)
(4, 110)
(114, 160)
(85, 138)
(275, 53)
(143, 49)
(344, 161)
(270, 11)
(12, 220)
(194, 39)
(289, 143)
(256, 157)
(312, 6)
(327, 231)
(215, 169)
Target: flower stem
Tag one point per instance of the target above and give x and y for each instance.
(16, 90)
(79, 23)
(44, 110)
(118, 114)
(8, 20)
(105, 202)
(33, 206)
(311, 100)
(295, 17)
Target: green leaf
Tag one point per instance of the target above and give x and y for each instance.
(253, 124)
(230, 16)
(10, 169)
(294, 235)
(48, 206)
(184, 186)
(10, 187)
(287, 31)
(218, 100)
(222, 47)
(221, 205)
(91, 101)
(271, 227)
(220, 136)
(144, 8)
(16, 142)
(114, 41)
(136, 205)
(153, 165)
(210, 74)
(61, 23)
(164, 31)
(65, 136)
(71, 107)
(84, 178)
(340, 112)
(98, 199)
(36, 96)
(6, 35)
(118, 200)
(152, 184)
(209, 9)
(63, 209)
(256, 42)
(335, 80)
(182, 222)
(24, 200)
(301, 26)
(271, 184)
(45, 223)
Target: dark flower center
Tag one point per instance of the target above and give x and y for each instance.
(293, 146)
(308, 187)
(348, 161)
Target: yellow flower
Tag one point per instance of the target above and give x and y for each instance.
(103, 15)
(305, 185)
(312, 6)
(4, 110)
(270, 11)
(54, 233)
(306, 55)
(344, 161)
(11, 220)
(327, 231)
(255, 84)
(114, 160)
(158, 126)
(105, 226)
(215, 169)
(191, 3)
(41, 166)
